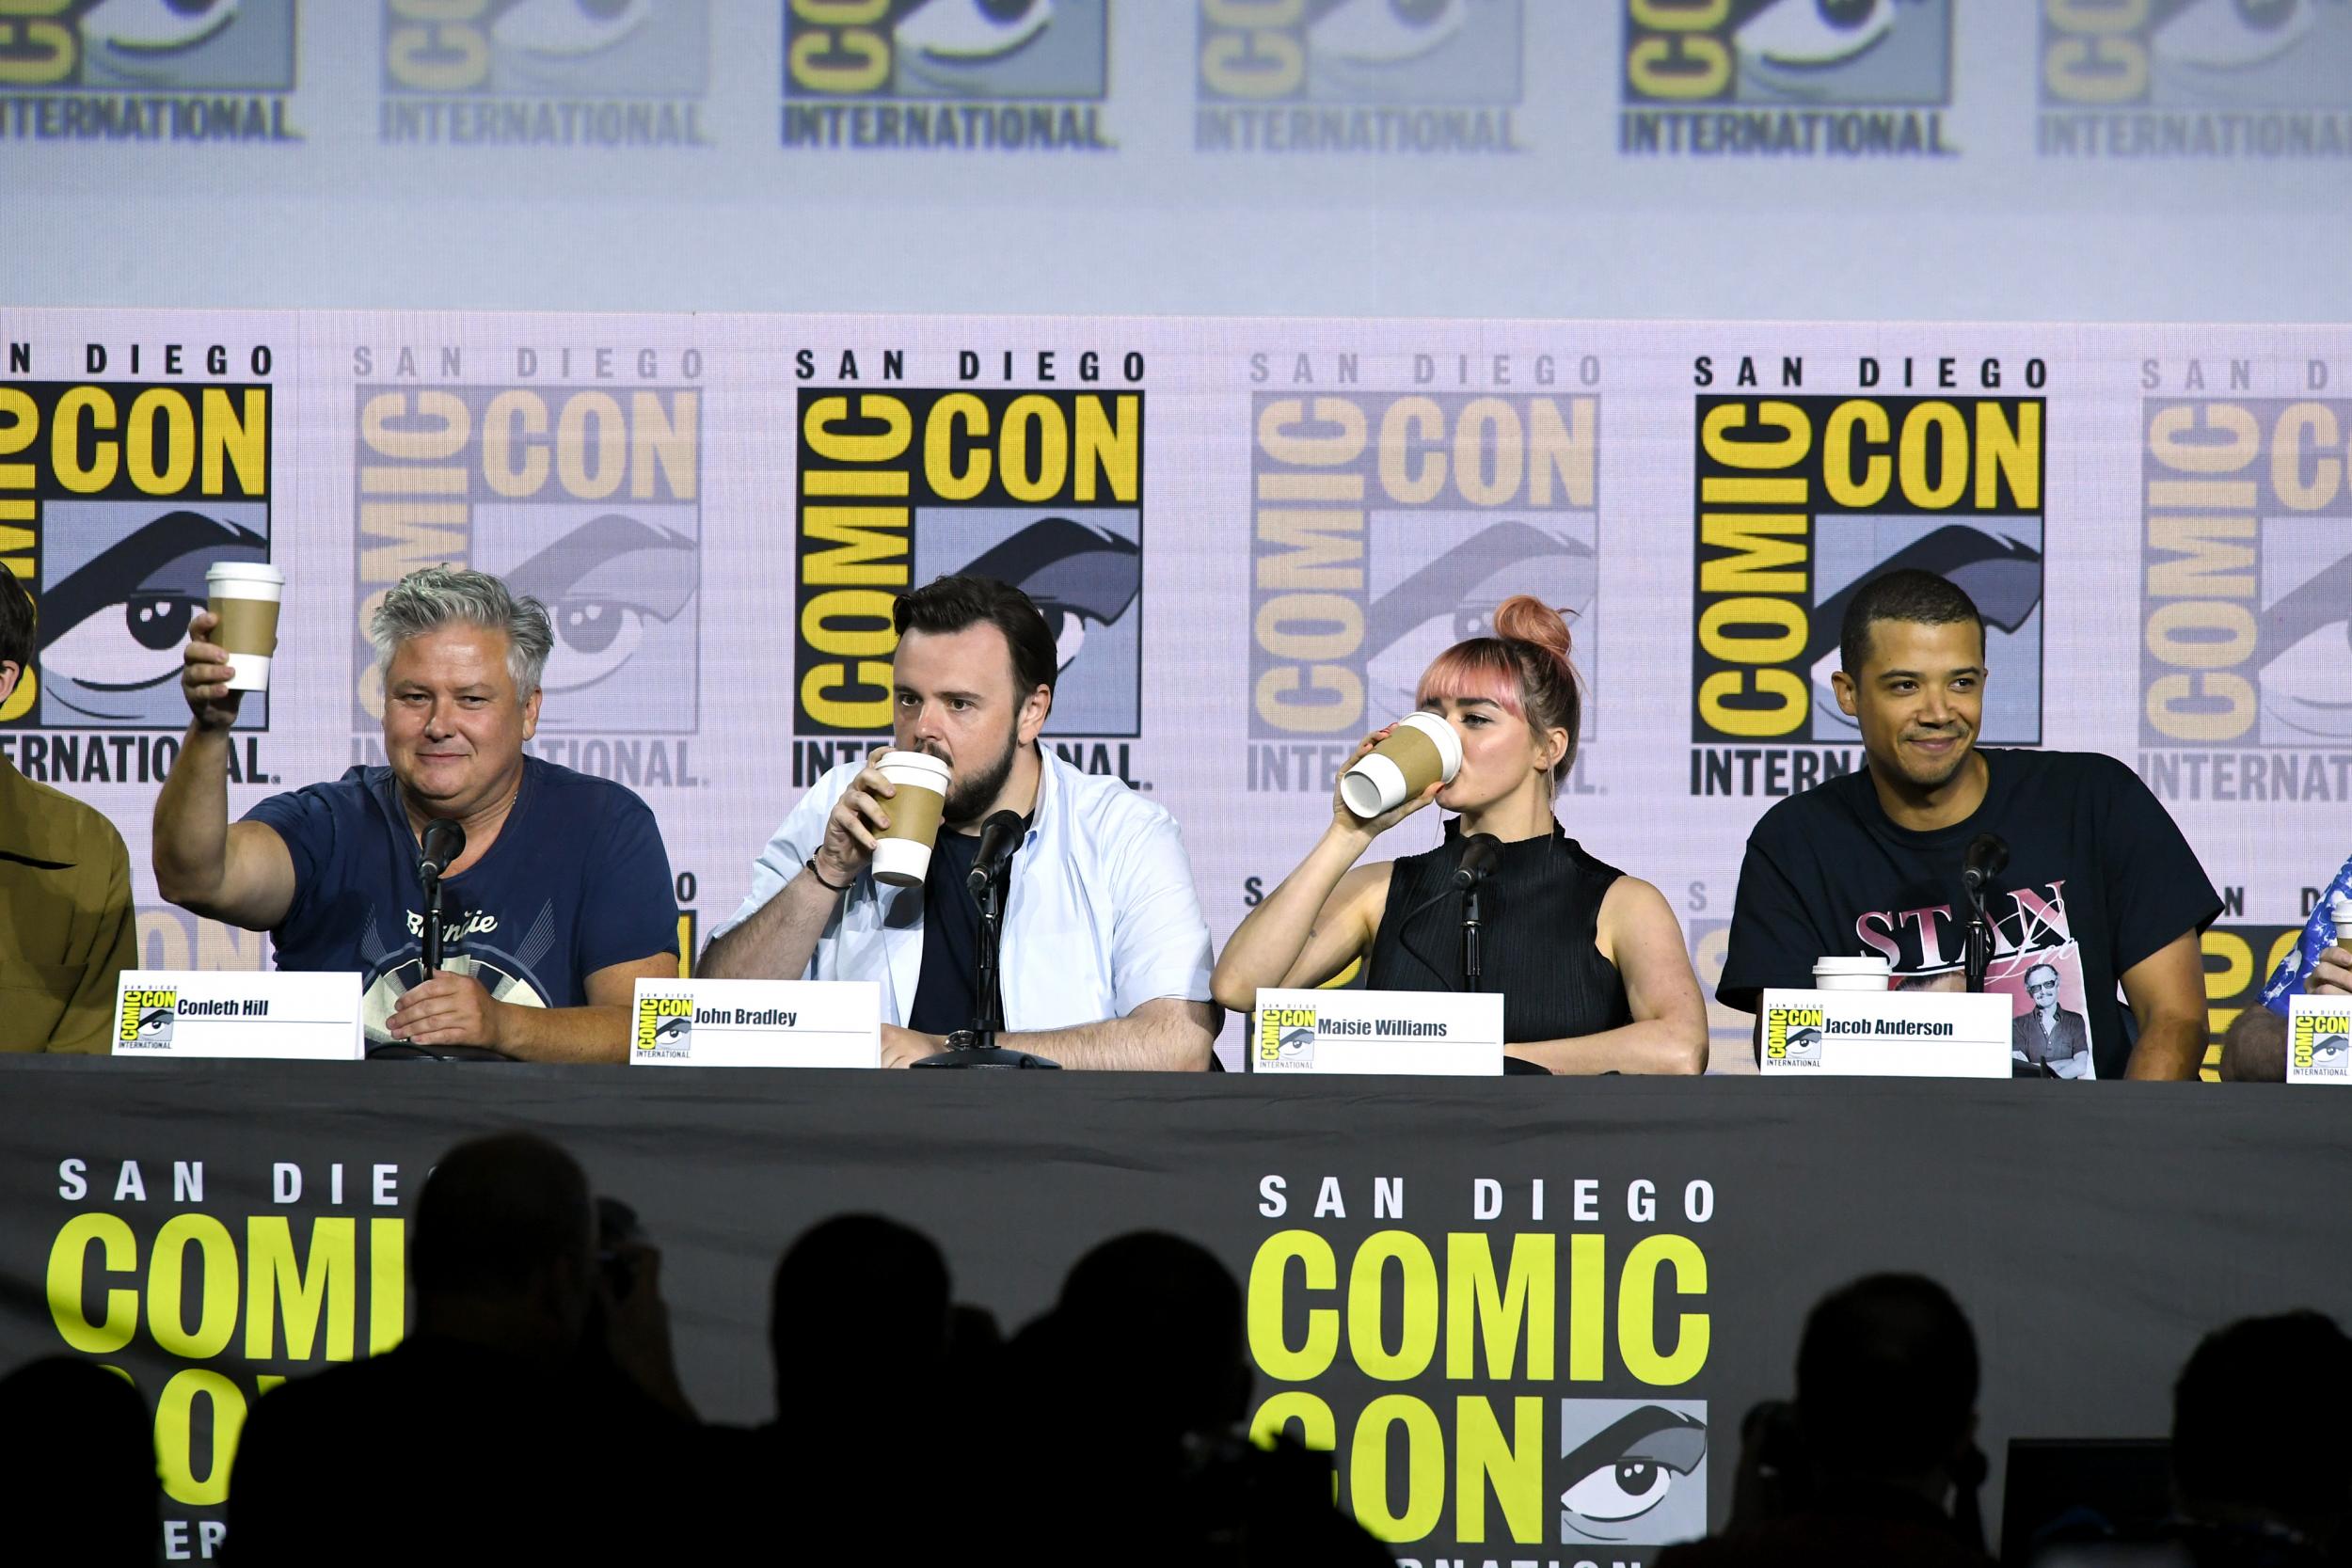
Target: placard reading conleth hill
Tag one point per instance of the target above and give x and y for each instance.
(175, 1012)
(757, 1023)
(2319, 1039)
(1431, 1032)
(1886, 1034)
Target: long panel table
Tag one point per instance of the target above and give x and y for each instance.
(1451, 1283)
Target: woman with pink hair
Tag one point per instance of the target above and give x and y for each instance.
(1590, 961)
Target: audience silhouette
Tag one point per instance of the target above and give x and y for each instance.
(77, 1466)
(1880, 1463)
(491, 1433)
(2262, 1455)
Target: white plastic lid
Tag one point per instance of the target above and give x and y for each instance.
(244, 571)
(913, 761)
(1853, 966)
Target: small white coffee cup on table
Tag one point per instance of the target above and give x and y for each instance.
(1852, 974)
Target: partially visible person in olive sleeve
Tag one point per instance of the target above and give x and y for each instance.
(67, 929)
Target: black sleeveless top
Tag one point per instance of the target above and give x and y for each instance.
(1539, 909)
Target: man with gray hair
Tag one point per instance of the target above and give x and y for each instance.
(559, 903)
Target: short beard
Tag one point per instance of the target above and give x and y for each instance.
(972, 796)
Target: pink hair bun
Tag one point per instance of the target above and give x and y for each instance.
(1524, 618)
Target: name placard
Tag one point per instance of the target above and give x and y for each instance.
(1886, 1034)
(1428, 1033)
(269, 1014)
(757, 1023)
(2319, 1039)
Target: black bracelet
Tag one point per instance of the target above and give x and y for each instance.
(811, 864)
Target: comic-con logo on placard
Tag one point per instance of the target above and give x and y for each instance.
(545, 72)
(1786, 78)
(588, 497)
(1286, 1038)
(665, 1028)
(2246, 574)
(954, 76)
(2139, 79)
(1634, 1472)
(150, 71)
(1042, 489)
(1388, 525)
(1359, 76)
(115, 498)
(1800, 500)
(2320, 1045)
(1792, 1035)
(146, 1020)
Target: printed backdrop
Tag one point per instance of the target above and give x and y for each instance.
(1249, 537)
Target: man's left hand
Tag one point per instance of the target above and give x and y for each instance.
(2331, 973)
(904, 1047)
(448, 1010)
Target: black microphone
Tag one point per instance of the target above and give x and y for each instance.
(1000, 835)
(1479, 853)
(444, 841)
(1987, 855)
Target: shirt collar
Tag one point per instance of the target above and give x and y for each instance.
(29, 822)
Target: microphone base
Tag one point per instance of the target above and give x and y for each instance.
(401, 1051)
(998, 1056)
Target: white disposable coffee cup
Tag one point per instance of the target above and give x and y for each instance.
(2340, 912)
(1853, 974)
(902, 853)
(1421, 751)
(245, 596)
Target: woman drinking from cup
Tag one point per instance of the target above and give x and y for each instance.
(1590, 961)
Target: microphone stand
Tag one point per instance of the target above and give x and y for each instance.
(431, 921)
(1471, 927)
(977, 1047)
(1978, 956)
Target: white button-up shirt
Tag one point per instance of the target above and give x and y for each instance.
(1101, 919)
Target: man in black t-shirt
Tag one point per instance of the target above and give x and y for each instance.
(2099, 889)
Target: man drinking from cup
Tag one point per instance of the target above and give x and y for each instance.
(557, 893)
(1106, 955)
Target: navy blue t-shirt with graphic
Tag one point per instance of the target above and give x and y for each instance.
(576, 882)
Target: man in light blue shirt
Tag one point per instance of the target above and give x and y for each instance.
(1106, 959)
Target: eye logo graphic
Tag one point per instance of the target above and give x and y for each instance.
(1827, 53)
(617, 592)
(1086, 577)
(665, 1026)
(535, 48)
(150, 45)
(115, 600)
(2197, 79)
(1634, 1472)
(1286, 1038)
(960, 49)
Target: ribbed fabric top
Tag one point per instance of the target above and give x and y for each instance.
(1538, 910)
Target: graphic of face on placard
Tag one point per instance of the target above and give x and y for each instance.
(120, 580)
(1084, 568)
(1996, 561)
(1633, 1472)
(167, 46)
(1435, 579)
(1832, 52)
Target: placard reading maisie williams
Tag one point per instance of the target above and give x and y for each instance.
(2319, 1039)
(1886, 1034)
(1429, 1033)
(293, 1017)
(757, 1023)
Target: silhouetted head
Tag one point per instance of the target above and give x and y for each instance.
(504, 1237)
(857, 1297)
(2259, 1428)
(77, 1464)
(1169, 1315)
(1886, 1381)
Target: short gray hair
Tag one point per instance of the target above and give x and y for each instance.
(432, 598)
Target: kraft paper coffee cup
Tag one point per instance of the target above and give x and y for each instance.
(1853, 974)
(903, 853)
(1421, 751)
(246, 595)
